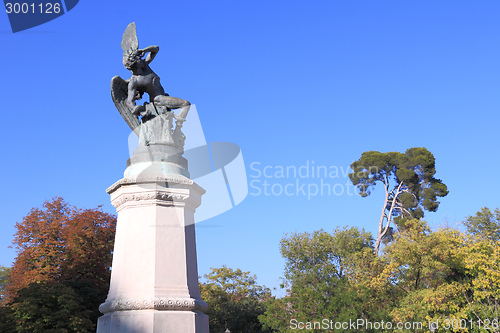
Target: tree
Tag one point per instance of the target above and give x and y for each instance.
(60, 248)
(482, 260)
(409, 184)
(4, 277)
(485, 224)
(6, 322)
(235, 300)
(318, 274)
(40, 246)
(426, 270)
(483, 293)
(51, 307)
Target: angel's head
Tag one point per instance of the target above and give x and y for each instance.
(131, 58)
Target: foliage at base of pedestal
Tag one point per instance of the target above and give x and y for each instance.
(235, 301)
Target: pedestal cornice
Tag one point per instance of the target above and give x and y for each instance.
(165, 190)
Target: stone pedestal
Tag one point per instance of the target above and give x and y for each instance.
(154, 277)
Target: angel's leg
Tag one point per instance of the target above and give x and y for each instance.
(174, 103)
(170, 102)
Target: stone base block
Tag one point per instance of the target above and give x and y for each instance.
(153, 321)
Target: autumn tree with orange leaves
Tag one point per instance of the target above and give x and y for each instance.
(59, 244)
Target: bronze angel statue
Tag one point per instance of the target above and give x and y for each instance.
(125, 93)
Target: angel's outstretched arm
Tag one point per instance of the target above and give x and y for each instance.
(153, 50)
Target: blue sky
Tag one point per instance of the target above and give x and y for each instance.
(290, 82)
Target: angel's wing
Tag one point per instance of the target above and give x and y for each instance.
(129, 40)
(119, 93)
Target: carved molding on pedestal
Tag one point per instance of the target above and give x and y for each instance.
(168, 197)
(156, 303)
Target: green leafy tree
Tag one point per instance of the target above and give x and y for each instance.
(235, 300)
(318, 272)
(425, 270)
(51, 308)
(436, 276)
(483, 290)
(485, 224)
(408, 181)
(61, 250)
(482, 261)
(7, 323)
(4, 277)
(6, 319)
